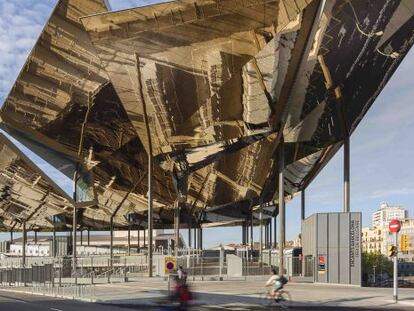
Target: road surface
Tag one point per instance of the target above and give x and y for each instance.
(10, 301)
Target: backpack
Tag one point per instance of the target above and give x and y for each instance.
(283, 280)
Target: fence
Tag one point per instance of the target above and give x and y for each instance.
(23, 276)
(67, 290)
(61, 272)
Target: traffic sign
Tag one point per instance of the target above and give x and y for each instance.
(170, 264)
(394, 226)
(392, 251)
(404, 242)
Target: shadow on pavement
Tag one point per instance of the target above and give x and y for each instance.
(210, 301)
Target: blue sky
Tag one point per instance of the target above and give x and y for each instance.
(382, 147)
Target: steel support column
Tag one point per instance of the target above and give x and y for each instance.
(275, 232)
(150, 165)
(74, 242)
(54, 238)
(24, 244)
(189, 234)
(129, 239)
(251, 231)
(243, 232)
(138, 240)
(11, 237)
(347, 204)
(282, 212)
(75, 219)
(270, 233)
(247, 231)
(111, 243)
(35, 237)
(195, 237)
(81, 237)
(261, 233)
(302, 205)
(177, 227)
(200, 237)
(89, 237)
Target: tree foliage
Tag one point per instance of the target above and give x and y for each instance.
(375, 264)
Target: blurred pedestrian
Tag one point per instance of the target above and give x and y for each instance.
(182, 275)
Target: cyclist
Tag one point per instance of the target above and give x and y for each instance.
(276, 282)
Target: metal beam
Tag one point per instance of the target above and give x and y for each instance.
(129, 237)
(74, 225)
(189, 233)
(195, 237)
(200, 237)
(138, 240)
(282, 212)
(347, 203)
(251, 231)
(54, 238)
(24, 244)
(275, 232)
(176, 227)
(270, 233)
(150, 155)
(302, 205)
(111, 244)
(261, 233)
(297, 64)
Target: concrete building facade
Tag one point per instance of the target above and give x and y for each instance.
(377, 238)
(386, 213)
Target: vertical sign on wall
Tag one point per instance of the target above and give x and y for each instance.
(355, 248)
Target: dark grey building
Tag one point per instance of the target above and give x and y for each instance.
(334, 241)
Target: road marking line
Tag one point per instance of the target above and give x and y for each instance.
(55, 309)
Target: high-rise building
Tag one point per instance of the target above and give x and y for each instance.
(386, 213)
(378, 238)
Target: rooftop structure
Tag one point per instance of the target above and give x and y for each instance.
(213, 91)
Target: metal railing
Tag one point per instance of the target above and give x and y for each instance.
(66, 290)
(61, 272)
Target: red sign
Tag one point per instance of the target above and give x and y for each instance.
(394, 226)
(321, 260)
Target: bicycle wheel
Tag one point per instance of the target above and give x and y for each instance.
(284, 300)
(265, 299)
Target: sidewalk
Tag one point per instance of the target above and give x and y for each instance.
(148, 292)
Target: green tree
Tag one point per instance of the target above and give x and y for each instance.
(375, 264)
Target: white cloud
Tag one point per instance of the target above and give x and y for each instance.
(21, 22)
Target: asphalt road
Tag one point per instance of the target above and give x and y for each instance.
(24, 302)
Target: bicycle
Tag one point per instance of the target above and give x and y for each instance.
(281, 299)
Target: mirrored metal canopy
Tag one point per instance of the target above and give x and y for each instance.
(222, 82)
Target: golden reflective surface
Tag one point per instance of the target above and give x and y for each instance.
(222, 82)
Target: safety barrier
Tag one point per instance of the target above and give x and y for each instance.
(22, 276)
